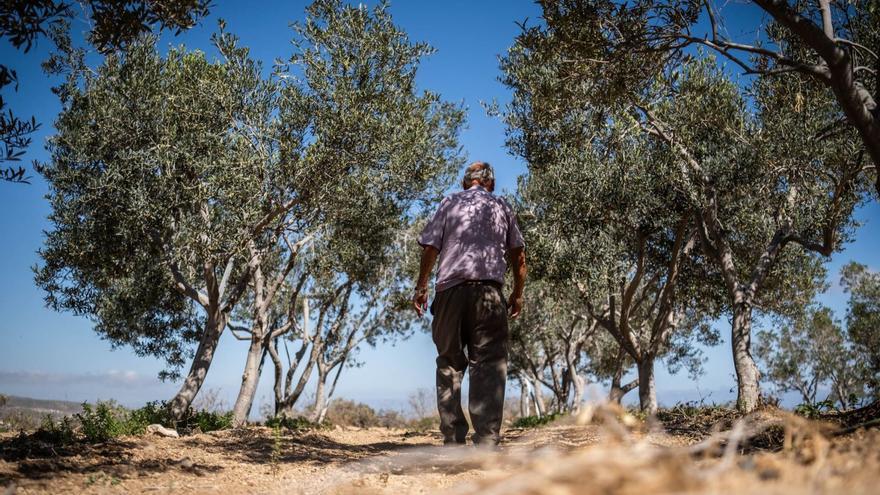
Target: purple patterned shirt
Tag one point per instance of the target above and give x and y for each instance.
(473, 230)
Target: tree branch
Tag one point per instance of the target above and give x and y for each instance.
(185, 288)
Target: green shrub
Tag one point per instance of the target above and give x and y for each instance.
(535, 421)
(157, 413)
(106, 420)
(103, 422)
(298, 423)
(150, 414)
(56, 433)
(209, 421)
(814, 411)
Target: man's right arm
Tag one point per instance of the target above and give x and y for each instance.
(420, 298)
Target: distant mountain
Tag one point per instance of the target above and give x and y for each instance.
(27, 413)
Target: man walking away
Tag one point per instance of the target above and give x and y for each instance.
(474, 233)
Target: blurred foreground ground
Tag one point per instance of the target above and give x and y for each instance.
(599, 452)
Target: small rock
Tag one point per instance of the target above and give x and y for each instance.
(10, 489)
(161, 430)
(187, 463)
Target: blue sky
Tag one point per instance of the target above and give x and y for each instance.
(45, 354)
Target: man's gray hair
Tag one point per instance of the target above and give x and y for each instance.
(480, 171)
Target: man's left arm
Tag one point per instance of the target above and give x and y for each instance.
(516, 255)
(518, 264)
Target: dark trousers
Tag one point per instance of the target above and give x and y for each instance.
(471, 316)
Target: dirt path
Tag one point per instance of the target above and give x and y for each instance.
(255, 460)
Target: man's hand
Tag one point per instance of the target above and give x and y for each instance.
(420, 300)
(514, 305)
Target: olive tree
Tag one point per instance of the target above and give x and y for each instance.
(810, 355)
(606, 219)
(155, 196)
(740, 162)
(377, 147)
(863, 320)
(371, 311)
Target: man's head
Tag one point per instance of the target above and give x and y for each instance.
(479, 174)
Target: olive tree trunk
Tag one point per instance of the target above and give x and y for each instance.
(214, 326)
(249, 380)
(647, 389)
(747, 375)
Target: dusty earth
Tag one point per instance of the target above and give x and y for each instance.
(556, 459)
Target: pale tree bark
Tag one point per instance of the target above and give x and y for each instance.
(573, 341)
(351, 333)
(320, 400)
(316, 342)
(538, 396)
(249, 380)
(217, 299)
(534, 393)
(578, 384)
(747, 374)
(525, 408)
(323, 411)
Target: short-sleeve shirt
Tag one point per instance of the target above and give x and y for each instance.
(473, 230)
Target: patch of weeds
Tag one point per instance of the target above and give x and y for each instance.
(535, 421)
(815, 411)
(209, 421)
(695, 420)
(158, 413)
(104, 422)
(55, 433)
(297, 423)
(153, 413)
(102, 478)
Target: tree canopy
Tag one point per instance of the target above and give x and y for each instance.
(114, 25)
